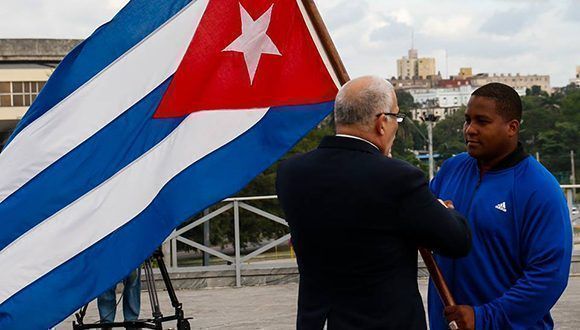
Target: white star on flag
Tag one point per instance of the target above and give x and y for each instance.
(253, 42)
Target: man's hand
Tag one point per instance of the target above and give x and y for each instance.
(463, 315)
(448, 204)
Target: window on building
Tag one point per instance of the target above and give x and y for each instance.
(5, 97)
(19, 93)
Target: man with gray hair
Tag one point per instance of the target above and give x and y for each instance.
(357, 217)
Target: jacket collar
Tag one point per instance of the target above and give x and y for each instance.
(343, 142)
(512, 159)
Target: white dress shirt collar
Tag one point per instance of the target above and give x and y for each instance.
(358, 138)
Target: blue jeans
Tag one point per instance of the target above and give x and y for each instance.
(131, 299)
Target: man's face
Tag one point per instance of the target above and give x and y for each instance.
(486, 132)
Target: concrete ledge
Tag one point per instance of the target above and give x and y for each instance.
(275, 275)
(182, 280)
(575, 268)
(35, 50)
(186, 280)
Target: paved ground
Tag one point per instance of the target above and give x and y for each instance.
(274, 307)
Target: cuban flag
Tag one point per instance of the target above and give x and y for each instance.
(165, 110)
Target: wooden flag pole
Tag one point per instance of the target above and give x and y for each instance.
(340, 70)
(437, 277)
(326, 41)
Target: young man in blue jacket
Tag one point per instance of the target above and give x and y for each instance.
(522, 240)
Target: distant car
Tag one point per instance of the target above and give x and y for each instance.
(574, 210)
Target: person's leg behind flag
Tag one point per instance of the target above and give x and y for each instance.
(132, 295)
(107, 305)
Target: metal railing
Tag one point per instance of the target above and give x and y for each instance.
(236, 262)
(239, 262)
(570, 191)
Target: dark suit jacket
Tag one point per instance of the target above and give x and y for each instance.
(356, 218)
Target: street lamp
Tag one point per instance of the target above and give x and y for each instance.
(430, 118)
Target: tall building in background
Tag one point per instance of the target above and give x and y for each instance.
(415, 67)
(25, 66)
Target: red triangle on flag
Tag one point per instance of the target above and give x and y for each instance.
(212, 76)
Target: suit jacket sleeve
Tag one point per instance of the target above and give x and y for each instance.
(428, 222)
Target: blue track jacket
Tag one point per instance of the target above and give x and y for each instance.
(522, 243)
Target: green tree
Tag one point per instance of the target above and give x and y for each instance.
(410, 135)
(448, 135)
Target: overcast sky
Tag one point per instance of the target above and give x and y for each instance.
(494, 36)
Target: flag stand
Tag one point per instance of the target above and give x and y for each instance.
(158, 319)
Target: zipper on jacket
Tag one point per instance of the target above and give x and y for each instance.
(453, 261)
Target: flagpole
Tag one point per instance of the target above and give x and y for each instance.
(326, 41)
(340, 70)
(437, 278)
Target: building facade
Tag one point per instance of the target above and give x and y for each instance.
(453, 83)
(442, 101)
(25, 66)
(516, 81)
(576, 79)
(465, 73)
(430, 82)
(445, 101)
(443, 97)
(439, 112)
(415, 67)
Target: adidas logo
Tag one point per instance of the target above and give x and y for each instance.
(501, 206)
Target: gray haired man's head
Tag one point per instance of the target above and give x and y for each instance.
(360, 100)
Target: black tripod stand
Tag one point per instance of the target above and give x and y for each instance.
(158, 318)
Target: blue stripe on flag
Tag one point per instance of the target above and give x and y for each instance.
(134, 22)
(87, 166)
(220, 174)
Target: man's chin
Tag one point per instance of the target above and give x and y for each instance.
(473, 151)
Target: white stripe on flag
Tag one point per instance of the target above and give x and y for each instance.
(98, 102)
(119, 199)
(318, 44)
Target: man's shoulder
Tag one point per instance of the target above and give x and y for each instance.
(457, 160)
(399, 165)
(294, 160)
(534, 178)
(396, 171)
(302, 162)
(454, 163)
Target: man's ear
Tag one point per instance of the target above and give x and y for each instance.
(513, 127)
(380, 127)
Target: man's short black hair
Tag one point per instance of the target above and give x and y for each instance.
(509, 104)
